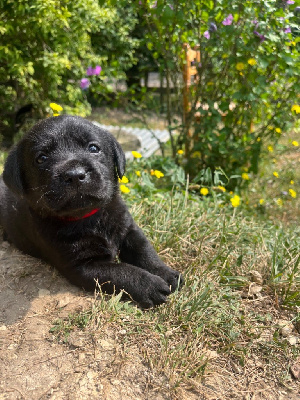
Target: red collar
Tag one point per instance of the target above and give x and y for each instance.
(79, 218)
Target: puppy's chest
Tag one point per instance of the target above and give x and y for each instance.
(99, 238)
(97, 242)
(95, 246)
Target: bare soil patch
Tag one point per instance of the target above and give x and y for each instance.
(34, 365)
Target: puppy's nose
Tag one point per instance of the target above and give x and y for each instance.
(75, 175)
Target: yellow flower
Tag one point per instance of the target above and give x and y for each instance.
(240, 66)
(293, 193)
(278, 130)
(56, 115)
(258, 139)
(157, 173)
(138, 173)
(251, 61)
(204, 191)
(295, 143)
(292, 182)
(235, 201)
(279, 202)
(124, 189)
(276, 174)
(56, 107)
(123, 180)
(222, 188)
(180, 152)
(136, 154)
(261, 201)
(270, 149)
(296, 108)
(196, 154)
(245, 176)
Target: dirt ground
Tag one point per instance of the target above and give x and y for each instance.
(35, 365)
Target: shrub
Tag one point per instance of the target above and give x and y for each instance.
(248, 76)
(45, 52)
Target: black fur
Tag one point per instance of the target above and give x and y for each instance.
(62, 169)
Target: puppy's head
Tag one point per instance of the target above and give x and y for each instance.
(65, 166)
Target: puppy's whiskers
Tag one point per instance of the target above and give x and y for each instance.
(43, 195)
(38, 187)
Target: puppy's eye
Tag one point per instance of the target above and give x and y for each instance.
(93, 148)
(41, 159)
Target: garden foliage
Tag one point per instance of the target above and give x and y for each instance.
(46, 48)
(245, 94)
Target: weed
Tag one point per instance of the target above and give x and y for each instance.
(63, 327)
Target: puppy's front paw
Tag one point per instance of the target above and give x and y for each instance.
(153, 291)
(173, 278)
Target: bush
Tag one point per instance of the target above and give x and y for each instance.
(46, 49)
(248, 77)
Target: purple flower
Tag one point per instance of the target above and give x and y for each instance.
(84, 83)
(290, 2)
(206, 34)
(154, 5)
(89, 71)
(228, 20)
(172, 7)
(262, 37)
(97, 70)
(93, 71)
(288, 30)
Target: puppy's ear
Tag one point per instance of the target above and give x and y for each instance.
(119, 158)
(12, 174)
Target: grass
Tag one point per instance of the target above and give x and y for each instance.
(214, 318)
(278, 205)
(128, 118)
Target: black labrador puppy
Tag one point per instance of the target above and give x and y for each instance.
(60, 201)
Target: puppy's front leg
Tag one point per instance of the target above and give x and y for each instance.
(137, 250)
(145, 288)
